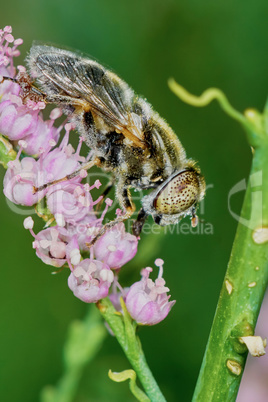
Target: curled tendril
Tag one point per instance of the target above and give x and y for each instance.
(129, 375)
(205, 98)
(253, 121)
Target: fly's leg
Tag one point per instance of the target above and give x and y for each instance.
(85, 166)
(194, 220)
(139, 222)
(8, 79)
(124, 197)
(29, 91)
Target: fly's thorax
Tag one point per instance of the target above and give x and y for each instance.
(176, 197)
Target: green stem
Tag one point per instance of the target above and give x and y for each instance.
(246, 278)
(124, 331)
(243, 289)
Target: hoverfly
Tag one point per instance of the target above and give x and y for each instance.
(125, 135)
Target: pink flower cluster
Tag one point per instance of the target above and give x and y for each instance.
(68, 206)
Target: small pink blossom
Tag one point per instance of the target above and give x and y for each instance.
(84, 230)
(58, 163)
(7, 88)
(8, 50)
(90, 280)
(50, 245)
(55, 245)
(7, 69)
(19, 180)
(71, 201)
(40, 137)
(116, 247)
(147, 301)
(16, 121)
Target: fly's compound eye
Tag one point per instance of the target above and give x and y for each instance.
(179, 194)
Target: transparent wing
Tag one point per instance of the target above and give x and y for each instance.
(67, 73)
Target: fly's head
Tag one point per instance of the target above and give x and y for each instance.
(176, 197)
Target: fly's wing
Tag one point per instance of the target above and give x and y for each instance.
(65, 73)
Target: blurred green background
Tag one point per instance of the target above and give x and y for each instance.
(201, 44)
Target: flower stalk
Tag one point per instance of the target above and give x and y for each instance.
(246, 278)
(124, 329)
